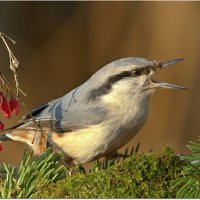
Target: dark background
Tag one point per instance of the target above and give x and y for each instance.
(60, 44)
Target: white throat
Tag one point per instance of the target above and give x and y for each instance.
(127, 107)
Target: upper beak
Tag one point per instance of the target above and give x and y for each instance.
(162, 65)
(170, 62)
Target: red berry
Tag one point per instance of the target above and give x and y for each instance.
(1, 147)
(11, 104)
(7, 114)
(1, 126)
(4, 107)
(14, 105)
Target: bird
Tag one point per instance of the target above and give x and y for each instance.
(98, 117)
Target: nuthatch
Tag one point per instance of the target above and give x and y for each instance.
(98, 117)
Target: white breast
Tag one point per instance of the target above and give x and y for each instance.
(127, 113)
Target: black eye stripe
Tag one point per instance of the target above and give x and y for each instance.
(141, 71)
(107, 86)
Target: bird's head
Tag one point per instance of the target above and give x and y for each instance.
(133, 75)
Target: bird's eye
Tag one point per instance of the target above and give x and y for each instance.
(137, 72)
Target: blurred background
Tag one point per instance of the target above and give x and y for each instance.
(61, 44)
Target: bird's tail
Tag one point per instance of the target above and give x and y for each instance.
(35, 139)
(4, 138)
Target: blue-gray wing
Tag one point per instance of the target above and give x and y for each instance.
(70, 112)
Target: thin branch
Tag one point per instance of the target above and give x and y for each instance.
(14, 66)
(14, 63)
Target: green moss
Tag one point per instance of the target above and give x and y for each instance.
(146, 175)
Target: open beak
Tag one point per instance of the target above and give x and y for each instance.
(162, 65)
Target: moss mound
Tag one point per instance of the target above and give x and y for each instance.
(146, 175)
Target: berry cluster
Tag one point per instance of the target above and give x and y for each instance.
(7, 107)
(8, 104)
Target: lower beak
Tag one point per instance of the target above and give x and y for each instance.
(162, 65)
(159, 84)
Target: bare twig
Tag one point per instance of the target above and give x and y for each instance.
(14, 63)
(14, 67)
